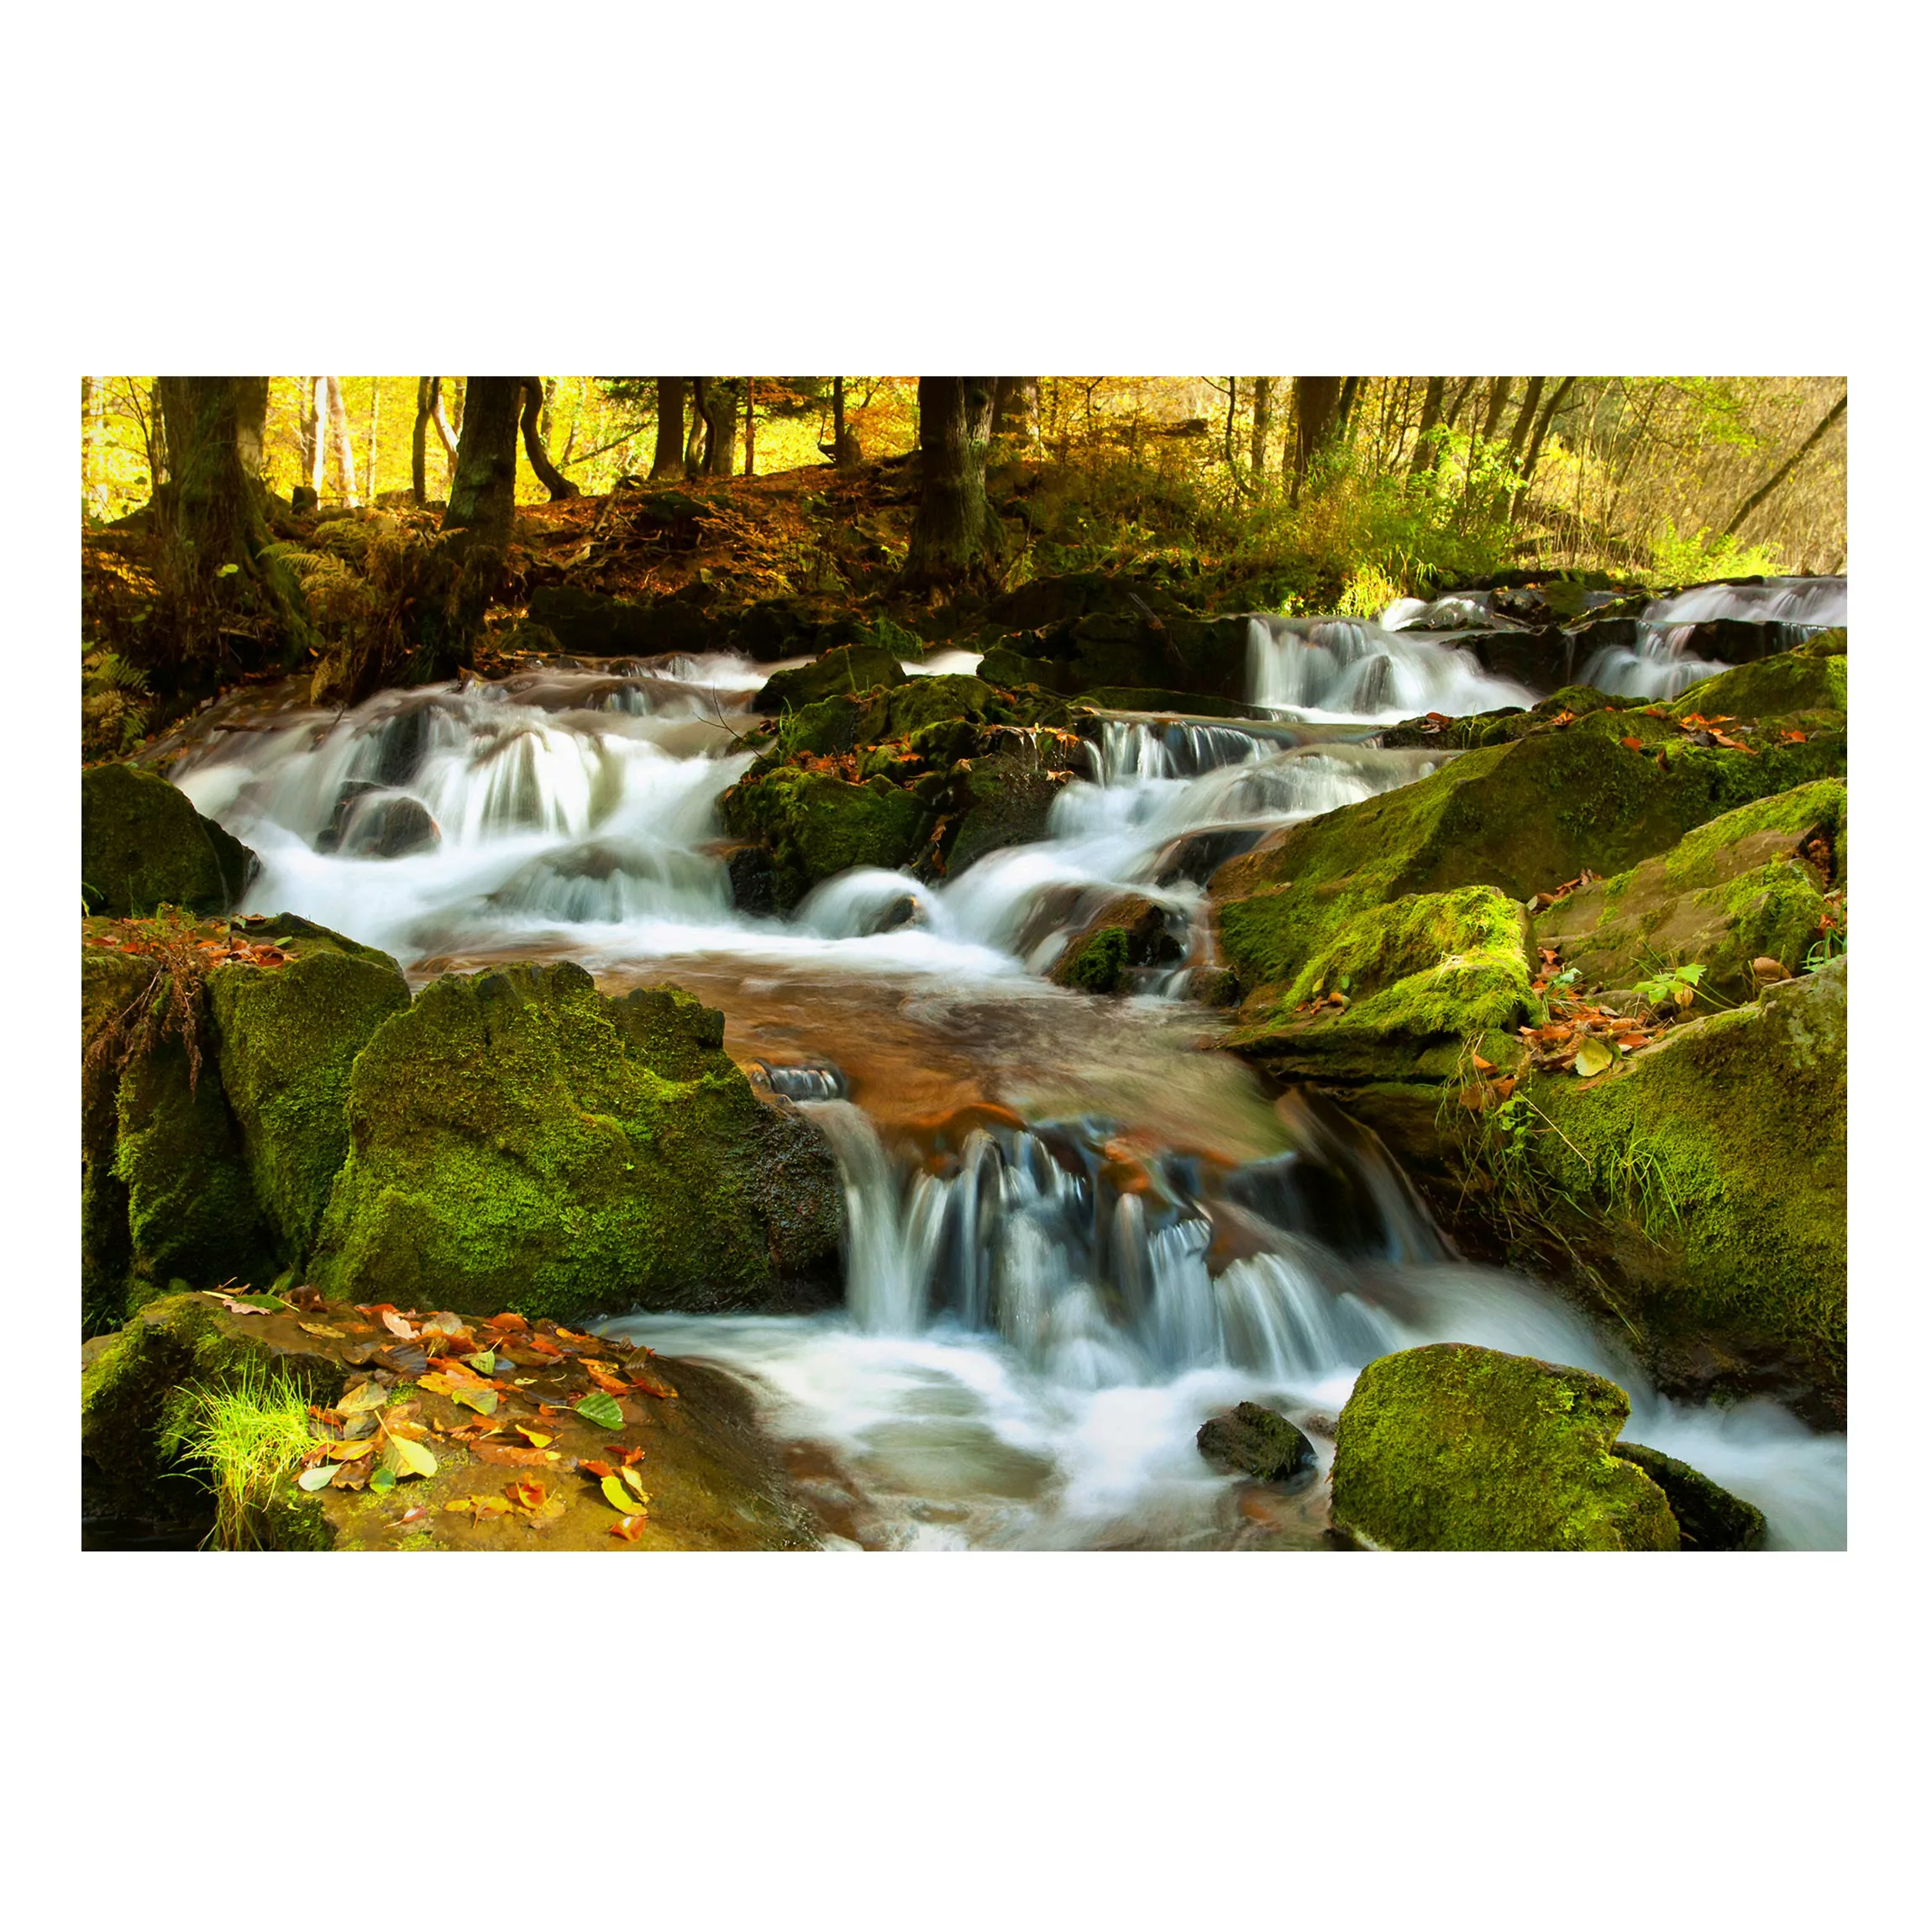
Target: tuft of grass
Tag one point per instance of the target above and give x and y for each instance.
(246, 1436)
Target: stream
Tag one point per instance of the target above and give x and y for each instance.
(1073, 1234)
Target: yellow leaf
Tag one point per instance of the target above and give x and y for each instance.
(364, 1395)
(617, 1496)
(405, 1458)
(348, 1451)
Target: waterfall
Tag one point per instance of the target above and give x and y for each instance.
(1348, 667)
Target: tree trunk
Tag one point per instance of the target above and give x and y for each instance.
(90, 440)
(1016, 409)
(444, 434)
(750, 431)
(717, 403)
(159, 469)
(216, 587)
(1790, 464)
(1526, 416)
(669, 457)
(483, 496)
(374, 414)
(251, 422)
(427, 391)
(1345, 409)
(1316, 398)
(955, 535)
(548, 473)
(1498, 402)
(338, 438)
(1423, 457)
(1257, 443)
(1453, 414)
(695, 441)
(1544, 418)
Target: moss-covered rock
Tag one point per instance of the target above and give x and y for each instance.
(1749, 885)
(1006, 795)
(816, 825)
(286, 1038)
(1503, 727)
(852, 669)
(143, 845)
(1396, 991)
(515, 1144)
(1798, 690)
(1127, 933)
(110, 985)
(1706, 1178)
(1111, 651)
(1708, 1517)
(1454, 1448)
(127, 1378)
(1524, 817)
(1251, 1440)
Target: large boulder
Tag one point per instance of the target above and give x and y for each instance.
(1455, 1447)
(1749, 885)
(1204, 656)
(516, 1143)
(1802, 690)
(143, 845)
(1705, 1178)
(852, 669)
(287, 1039)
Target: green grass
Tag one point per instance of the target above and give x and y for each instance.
(245, 1436)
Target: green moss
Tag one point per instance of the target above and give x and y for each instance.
(1523, 817)
(851, 669)
(1096, 963)
(1422, 976)
(513, 1147)
(818, 825)
(143, 845)
(1713, 1167)
(1708, 1517)
(1730, 892)
(1788, 685)
(287, 1038)
(1453, 1447)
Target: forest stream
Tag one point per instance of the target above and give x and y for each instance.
(1073, 1234)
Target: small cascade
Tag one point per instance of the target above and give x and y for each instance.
(1346, 667)
(1130, 748)
(1663, 662)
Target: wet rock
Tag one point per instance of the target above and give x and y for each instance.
(1455, 1447)
(753, 884)
(369, 822)
(1005, 796)
(1128, 932)
(1749, 885)
(1184, 657)
(1079, 594)
(1708, 1517)
(517, 1140)
(814, 824)
(777, 627)
(851, 669)
(1799, 691)
(143, 844)
(1250, 1441)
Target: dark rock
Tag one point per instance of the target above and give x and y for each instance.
(370, 822)
(852, 669)
(1251, 1440)
(1708, 1517)
(750, 868)
(595, 626)
(143, 844)
(1128, 932)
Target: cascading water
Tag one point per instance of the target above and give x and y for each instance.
(1662, 664)
(1044, 1300)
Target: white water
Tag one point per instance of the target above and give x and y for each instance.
(1662, 664)
(1028, 1344)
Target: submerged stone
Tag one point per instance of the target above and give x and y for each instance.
(1255, 1442)
(1455, 1447)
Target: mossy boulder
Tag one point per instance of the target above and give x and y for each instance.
(1523, 816)
(852, 669)
(1250, 1441)
(516, 1144)
(845, 721)
(1749, 885)
(589, 623)
(143, 845)
(1128, 932)
(127, 1380)
(816, 825)
(1708, 1517)
(1006, 795)
(1502, 726)
(1109, 651)
(1398, 991)
(1454, 1448)
(286, 1038)
(1798, 690)
(1705, 1177)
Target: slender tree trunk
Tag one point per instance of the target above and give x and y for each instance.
(1498, 402)
(444, 433)
(251, 422)
(717, 403)
(1526, 416)
(1016, 409)
(1316, 398)
(1790, 464)
(159, 469)
(375, 417)
(696, 443)
(838, 449)
(668, 456)
(338, 438)
(90, 443)
(1544, 418)
(483, 496)
(1425, 452)
(1345, 408)
(548, 473)
(1453, 414)
(955, 535)
(750, 430)
(545, 425)
(426, 390)
(1257, 442)
(1227, 428)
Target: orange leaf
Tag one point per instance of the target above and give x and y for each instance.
(506, 1321)
(1632, 743)
(516, 1458)
(1482, 1065)
(649, 1385)
(543, 1346)
(529, 1493)
(630, 1527)
(604, 1380)
(595, 1467)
